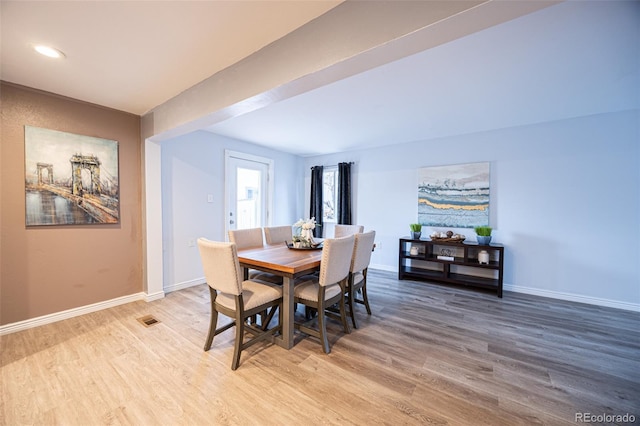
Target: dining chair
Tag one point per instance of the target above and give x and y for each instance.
(278, 234)
(357, 282)
(236, 298)
(344, 230)
(248, 239)
(327, 289)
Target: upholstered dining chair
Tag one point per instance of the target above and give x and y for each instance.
(357, 282)
(252, 238)
(344, 230)
(278, 234)
(328, 288)
(237, 299)
(246, 238)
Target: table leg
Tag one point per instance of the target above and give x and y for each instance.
(286, 338)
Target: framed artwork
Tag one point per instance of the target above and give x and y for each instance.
(70, 179)
(455, 196)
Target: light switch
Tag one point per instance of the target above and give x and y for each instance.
(209, 198)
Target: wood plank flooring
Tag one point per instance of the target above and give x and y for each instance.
(429, 354)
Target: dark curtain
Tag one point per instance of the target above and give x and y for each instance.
(344, 194)
(316, 199)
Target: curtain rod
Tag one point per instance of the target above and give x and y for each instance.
(335, 165)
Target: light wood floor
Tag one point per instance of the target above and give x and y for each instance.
(429, 354)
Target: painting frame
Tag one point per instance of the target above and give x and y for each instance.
(454, 196)
(70, 179)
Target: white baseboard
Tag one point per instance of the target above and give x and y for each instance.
(75, 312)
(70, 313)
(386, 268)
(573, 297)
(550, 294)
(184, 284)
(154, 296)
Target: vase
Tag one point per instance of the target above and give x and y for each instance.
(416, 235)
(483, 257)
(483, 240)
(306, 234)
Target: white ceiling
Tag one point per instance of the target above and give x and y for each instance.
(131, 55)
(508, 75)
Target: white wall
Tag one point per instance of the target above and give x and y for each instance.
(192, 168)
(565, 191)
(564, 201)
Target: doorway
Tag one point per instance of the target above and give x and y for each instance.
(248, 191)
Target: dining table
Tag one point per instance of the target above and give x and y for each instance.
(289, 263)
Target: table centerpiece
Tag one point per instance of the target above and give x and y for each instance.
(303, 234)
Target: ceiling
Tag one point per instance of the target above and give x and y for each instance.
(476, 83)
(131, 55)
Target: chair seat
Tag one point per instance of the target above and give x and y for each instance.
(308, 290)
(253, 293)
(265, 277)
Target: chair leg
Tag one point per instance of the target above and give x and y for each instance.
(352, 311)
(365, 299)
(213, 323)
(237, 347)
(267, 316)
(322, 325)
(212, 330)
(343, 316)
(309, 312)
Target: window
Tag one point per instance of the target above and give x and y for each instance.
(329, 194)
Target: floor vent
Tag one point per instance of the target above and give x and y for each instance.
(148, 320)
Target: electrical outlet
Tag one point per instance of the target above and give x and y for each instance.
(192, 242)
(378, 245)
(209, 198)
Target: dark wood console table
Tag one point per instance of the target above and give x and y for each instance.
(451, 262)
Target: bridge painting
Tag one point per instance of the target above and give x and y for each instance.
(70, 179)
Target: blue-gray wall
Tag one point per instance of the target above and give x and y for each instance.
(193, 168)
(564, 201)
(565, 191)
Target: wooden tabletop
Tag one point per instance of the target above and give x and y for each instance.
(281, 260)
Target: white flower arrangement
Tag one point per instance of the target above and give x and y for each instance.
(304, 234)
(306, 223)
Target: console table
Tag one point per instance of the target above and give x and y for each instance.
(451, 262)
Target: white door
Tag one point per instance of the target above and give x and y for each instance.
(248, 191)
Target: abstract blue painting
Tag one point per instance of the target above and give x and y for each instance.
(454, 196)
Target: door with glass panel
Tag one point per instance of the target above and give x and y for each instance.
(248, 191)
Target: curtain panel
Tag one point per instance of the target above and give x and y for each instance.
(315, 209)
(344, 194)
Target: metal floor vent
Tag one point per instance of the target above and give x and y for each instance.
(148, 320)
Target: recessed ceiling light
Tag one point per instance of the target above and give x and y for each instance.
(48, 51)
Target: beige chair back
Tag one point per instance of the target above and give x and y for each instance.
(343, 230)
(336, 259)
(362, 251)
(278, 234)
(246, 238)
(221, 266)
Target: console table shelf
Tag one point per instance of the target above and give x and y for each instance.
(418, 260)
